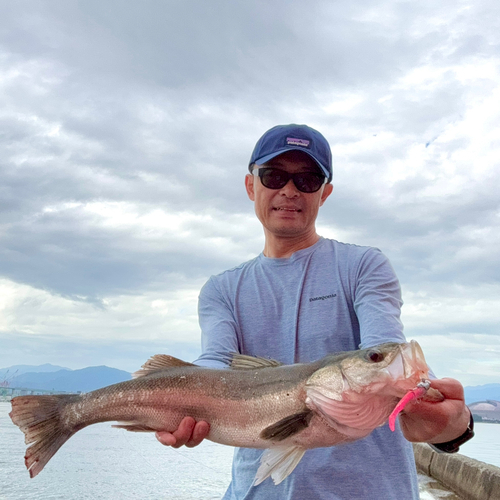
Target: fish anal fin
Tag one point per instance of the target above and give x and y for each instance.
(159, 362)
(133, 427)
(278, 463)
(287, 426)
(245, 362)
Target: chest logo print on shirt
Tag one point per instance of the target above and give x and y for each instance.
(323, 297)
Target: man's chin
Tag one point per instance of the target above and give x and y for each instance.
(288, 230)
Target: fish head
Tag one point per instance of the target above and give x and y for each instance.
(356, 391)
(391, 368)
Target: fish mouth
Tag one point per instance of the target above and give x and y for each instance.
(409, 364)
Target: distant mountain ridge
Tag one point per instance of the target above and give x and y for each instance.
(13, 371)
(482, 393)
(64, 380)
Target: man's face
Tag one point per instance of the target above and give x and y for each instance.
(287, 212)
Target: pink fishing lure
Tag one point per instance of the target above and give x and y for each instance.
(416, 393)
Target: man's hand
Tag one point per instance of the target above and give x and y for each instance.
(189, 433)
(437, 421)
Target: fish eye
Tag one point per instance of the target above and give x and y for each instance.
(374, 356)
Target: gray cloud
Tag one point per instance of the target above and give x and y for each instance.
(127, 129)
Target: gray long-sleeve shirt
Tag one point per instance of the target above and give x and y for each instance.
(326, 298)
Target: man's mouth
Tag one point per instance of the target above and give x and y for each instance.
(285, 209)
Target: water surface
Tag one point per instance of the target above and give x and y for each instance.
(100, 463)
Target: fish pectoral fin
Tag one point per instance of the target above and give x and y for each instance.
(133, 427)
(159, 362)
(287, 426)
(278, 463)
(245, 362)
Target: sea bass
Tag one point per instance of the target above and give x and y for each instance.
(258, 403)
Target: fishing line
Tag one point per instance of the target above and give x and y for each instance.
(196, 461)
(175, 490)
(146, 459)
(187, 457)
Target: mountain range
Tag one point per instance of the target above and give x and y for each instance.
(482, 393)
(12, 371)
(56, 378)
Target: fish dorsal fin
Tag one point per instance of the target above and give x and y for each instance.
(245, 362)
(157, 363)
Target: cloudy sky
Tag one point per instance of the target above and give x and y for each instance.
(125, 132)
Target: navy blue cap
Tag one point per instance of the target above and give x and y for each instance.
(283, 138)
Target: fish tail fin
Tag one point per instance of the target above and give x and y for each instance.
(39, 417)
(278, 463)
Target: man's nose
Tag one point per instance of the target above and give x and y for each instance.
(290, 190)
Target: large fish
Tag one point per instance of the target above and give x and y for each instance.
(258, 403)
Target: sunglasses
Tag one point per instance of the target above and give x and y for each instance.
(274, 178)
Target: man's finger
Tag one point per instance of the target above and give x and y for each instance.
(449, 388)
(184, 431)
(165, 438)
(200, 432)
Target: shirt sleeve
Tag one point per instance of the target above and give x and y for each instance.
(377, 300)
(218, 328)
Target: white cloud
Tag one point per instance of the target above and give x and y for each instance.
(147, 316)
(125, 137)
(470, 358)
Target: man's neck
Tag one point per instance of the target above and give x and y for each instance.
(283, 248)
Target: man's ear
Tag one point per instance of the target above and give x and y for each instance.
(327, 191)
(249, 185)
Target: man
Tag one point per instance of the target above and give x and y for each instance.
(305, 297)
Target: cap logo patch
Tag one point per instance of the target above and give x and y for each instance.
(297, 142)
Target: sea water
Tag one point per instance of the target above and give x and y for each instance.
(485, 445)
(100, 463)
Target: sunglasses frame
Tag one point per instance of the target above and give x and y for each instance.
(258, 171)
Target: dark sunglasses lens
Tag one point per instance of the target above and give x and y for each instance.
(273, 178)
(308, 182)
